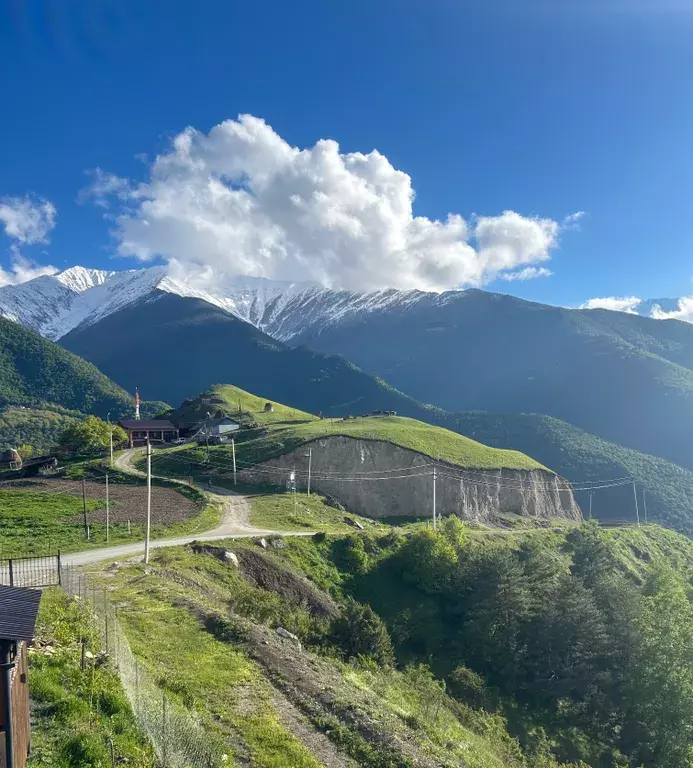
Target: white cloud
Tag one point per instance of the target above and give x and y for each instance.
(528, 273)
(242, 201)
(22, 270)
(684, 311)
(26, 221)
(627, 304)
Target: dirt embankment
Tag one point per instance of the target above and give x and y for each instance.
(262, 571)
(377, 479)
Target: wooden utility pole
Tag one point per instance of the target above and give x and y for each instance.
(149, 502)
(233, 448)
(108, 522)
(84, 508)
(644, 505)
(635, 499)
(435, 520)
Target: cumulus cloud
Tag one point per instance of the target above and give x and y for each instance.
(26, 221)
(683, 312)
(240, 200)
(627, 304)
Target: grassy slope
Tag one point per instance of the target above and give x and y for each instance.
(210, 664)
(435, 442)
(77, 715)
(34, 371)
(287, 428)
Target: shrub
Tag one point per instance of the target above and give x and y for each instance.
(359, 631)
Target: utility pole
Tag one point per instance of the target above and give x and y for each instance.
(644, 504)
(110, 437)
(84, 508)
(435, 475)
(310, 466)
(149, 501)
(233, 448)
(591, 505)
(108, 522)
(635, 499)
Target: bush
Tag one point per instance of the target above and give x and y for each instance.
(359, 631)
(469, 687)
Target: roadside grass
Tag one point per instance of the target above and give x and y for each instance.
(78, 715)
(222, 684)
(286, 511)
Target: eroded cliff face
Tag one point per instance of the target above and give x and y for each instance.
(377, 479)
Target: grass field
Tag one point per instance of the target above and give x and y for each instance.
(77, 716)
(285, 511)
(40, 522)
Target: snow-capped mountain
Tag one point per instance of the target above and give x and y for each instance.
(54, 305)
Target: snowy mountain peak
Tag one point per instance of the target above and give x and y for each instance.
(80, 279)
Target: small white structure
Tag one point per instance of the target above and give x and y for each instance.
(220, 427)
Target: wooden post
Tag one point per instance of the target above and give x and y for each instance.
(84, 506)
(107, 513)
(233, 448)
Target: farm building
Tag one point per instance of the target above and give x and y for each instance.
(18, 609)
(220, 427)
(141, 432)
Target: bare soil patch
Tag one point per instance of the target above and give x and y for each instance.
(127, 502)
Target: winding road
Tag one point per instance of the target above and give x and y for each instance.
(235, 513)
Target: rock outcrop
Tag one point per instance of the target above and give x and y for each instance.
(377, 479)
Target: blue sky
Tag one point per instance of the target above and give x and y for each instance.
(543, 108)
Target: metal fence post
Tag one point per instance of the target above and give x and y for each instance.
(60, 570)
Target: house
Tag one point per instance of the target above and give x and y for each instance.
(141, 432)
(18, 610)
(217, 430)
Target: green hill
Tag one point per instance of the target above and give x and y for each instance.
(35, 371)
(43, 387)
(39, 427)
(286, 429)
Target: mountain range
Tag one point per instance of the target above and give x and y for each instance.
(591, 393)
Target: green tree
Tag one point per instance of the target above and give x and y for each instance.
(359, 631)
(26, 451)
(658, 692)
(91, 436)
(428, 560)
